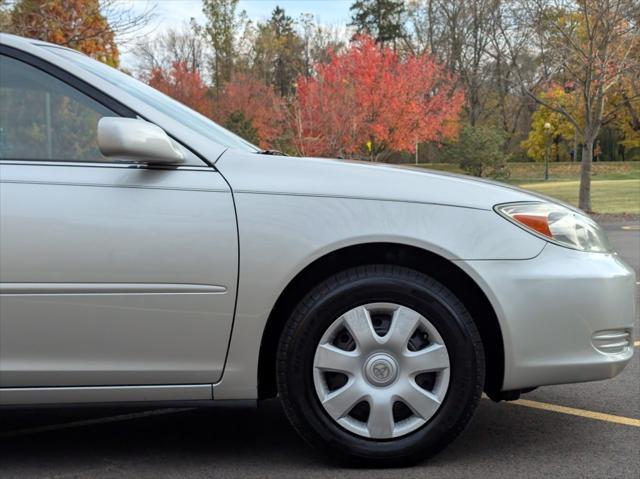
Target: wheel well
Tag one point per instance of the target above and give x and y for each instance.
(421, 260)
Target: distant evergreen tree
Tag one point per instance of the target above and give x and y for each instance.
(382, 19)
(242, 126)
(288, 61)
(278, 51)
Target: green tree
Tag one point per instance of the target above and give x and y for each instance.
(221, 23)
(243, 127)
(479, 152)
(382, 19)
(288, 60)
(279, 53)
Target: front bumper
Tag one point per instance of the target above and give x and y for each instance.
(556, 312)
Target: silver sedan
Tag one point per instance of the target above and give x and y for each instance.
(147, 254)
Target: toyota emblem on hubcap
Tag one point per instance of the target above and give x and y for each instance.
(381, 369)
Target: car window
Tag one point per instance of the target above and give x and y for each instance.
(43, 118)
(158, 100)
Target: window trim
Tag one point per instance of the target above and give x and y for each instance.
(100, 164)
(92, 92)
(70, 80)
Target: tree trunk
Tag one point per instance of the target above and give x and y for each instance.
(585, 175)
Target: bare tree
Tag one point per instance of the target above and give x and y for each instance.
(423, 31)
(512, 110)
(127, 23)
(184, 45)
(462, 34)
(586, 45)
(318, 40)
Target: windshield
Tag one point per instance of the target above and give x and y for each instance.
(159, 101)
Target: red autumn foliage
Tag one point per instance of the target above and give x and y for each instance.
(369, 100)
(259, 103)
(184, 85)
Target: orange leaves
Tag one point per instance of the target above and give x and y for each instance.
(184, 85)
(259, 103)
(77, 24)
(366, 101)
(370, 94)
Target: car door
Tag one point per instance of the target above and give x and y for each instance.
(110, 273)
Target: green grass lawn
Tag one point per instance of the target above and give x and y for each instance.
(612, 196)
(615, 186)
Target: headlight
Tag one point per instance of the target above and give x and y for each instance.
(557, 224)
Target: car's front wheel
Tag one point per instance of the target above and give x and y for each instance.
(380, 364)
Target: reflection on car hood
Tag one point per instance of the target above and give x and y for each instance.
(356, 179)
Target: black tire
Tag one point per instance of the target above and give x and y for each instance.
(352, 288)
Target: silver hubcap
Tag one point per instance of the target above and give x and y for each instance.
(381, 370)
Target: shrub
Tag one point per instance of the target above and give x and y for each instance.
(478, 151)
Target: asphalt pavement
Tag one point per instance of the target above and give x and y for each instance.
(589, 430)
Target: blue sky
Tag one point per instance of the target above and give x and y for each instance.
(327, 11)
(175, 12)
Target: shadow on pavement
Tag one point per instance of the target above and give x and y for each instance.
(502, 441)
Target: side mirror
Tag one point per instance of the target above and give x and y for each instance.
(137, 140)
